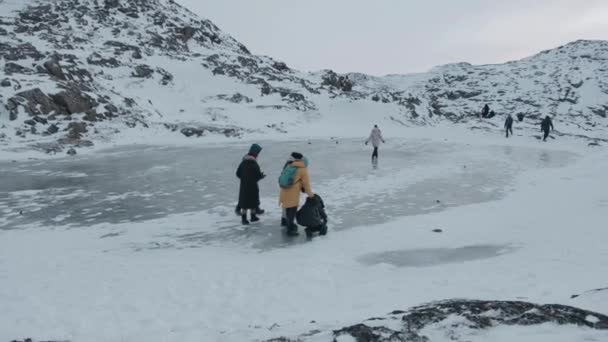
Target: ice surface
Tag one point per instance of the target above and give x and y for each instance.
(140, 184)
(435, 256)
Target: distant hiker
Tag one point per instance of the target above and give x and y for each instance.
(509, 125)
(375, 138)
(312, 216)
(546, 126)
(249, 193)
(293, 180)
(485, 111)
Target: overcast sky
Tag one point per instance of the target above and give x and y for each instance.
(401, 36)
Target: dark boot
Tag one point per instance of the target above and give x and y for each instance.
(323, 230)
(292, 230)
(283, 222)
(244, 219)
(308, 233)
(259, 211)
(254, 217)
(237, 210)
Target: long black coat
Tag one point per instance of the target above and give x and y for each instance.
(546, 125)
(250, 174)
(312, 214)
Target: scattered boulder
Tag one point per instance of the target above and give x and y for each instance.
(74, 101)
(11, 68)
(5, 83)
(54, 69)
(142, 71)
(190, 131)
(520, 117)
(71, 152)
(41, 120)
(34, 102)
(109, 4)
(167, 77)
(339, 82)
(97, 59)
(280, 66)
(186, 33)
(76, 130)
(52, 129)
(30, 122)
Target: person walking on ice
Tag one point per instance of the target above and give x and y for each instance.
(546, 127)
(375, 138)
(509, 125)
(249, 192)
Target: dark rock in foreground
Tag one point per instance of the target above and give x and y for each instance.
(461, 314)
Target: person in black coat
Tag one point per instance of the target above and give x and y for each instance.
(249, 193)
(485, 111)
(312, 216)
(509, 125)
(546, 127)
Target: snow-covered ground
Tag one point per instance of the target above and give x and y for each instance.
(141, 243)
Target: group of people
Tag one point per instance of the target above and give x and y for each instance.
(293, 181)
(546, 126)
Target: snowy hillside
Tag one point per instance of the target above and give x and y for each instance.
(81, 72)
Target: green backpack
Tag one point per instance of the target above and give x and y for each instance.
(287, 177)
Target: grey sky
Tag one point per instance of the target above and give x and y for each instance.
(400, 36)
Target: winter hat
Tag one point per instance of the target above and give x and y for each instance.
(296, 156)
(255, 149)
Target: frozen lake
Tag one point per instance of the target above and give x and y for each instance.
(145, 183)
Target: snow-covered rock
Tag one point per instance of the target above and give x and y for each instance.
(457, 320)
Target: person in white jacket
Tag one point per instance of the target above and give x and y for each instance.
(375, 138)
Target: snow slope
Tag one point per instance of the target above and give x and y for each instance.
(122, 71)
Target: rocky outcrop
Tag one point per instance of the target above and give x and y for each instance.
(456, 316)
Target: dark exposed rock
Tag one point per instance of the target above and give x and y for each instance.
(520, 117)
(471, 315)
(280, 66)
(19, 52)
(91, 116)
(5, 83)
(142, 71)
(236, 98)
(343, 83)
(41, 120)
(190, 131)
(603, 111)
(52, 129)
(71, 151)
(76, 129)
(136, 54)
(129, 102)
(109, 4)
(167, 77)
(74, 101)
(186, 33)
(119, 47)
(14, 68)
(97, 59)
(54, 69)
(30, 122)
(34, 102)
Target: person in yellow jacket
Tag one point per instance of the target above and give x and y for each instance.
(289, 198)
